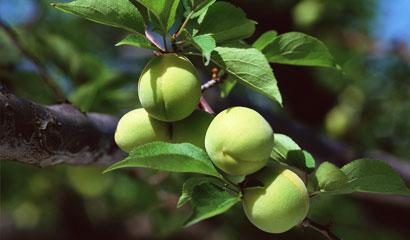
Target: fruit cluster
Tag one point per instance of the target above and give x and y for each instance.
(239, 141)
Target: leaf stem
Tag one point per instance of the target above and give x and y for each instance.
(184, 24)
(324, 230)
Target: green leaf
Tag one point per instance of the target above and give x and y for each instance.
(301, 159)
(227, 86)
(375, 176)
(136, 40)
(209, 200)
(226, 22)
(164, 10)
(285, 150)
(282, 145)
(188, 188)
(296, 48)
(331, 179)
(119, 13)
(249, 67)
(197, 6)
(265, 39)
(207, 44)
(170, 157)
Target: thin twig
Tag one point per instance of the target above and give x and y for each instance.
(48, 80)
(324, 230)
(209, 84)
(203, 104)
(215, 80)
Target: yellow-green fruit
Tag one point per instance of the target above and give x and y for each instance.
(192, 129)
(239, 141)
(281, 204)
(137, 128)
(169, 88)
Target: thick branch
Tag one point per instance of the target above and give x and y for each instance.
(44, 136)
(39, 135)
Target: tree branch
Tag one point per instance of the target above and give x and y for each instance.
(324, 230)
(42, 136)
(204, 105)
(210, 84)
(215, 80)
(42, 71)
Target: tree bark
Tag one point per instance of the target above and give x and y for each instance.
(48, 135)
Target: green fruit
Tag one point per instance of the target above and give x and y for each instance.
(281, 204)
(137, 128)
(169, 88)
(239, 141)
(192, 129)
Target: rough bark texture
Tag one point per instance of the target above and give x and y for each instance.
(48, 135)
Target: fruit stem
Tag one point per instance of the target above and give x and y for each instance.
(324, 230)
(232, 186)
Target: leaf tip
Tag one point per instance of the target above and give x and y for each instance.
(110, 169)
(188, 223)
(180, 204)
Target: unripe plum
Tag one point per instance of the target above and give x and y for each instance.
(137, 128)
(281, 204)
(239, 141)
(169, 88)
(192, 129)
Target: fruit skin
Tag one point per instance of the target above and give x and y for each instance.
(137, 128)
(281, 204)
(239, 141)
(192, 129)
(169, 88)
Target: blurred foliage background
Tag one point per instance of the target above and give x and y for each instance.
(367, 105)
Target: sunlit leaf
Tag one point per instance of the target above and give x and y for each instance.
(226, 22)
(136, 40)
(249, 67)
(367, 175)
(119, 13)
(170, 157)
(297, 48)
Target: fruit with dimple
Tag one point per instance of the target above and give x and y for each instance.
(136, 128)
(239, 141)
(279, 205)
(169, 88)
(192, 129)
